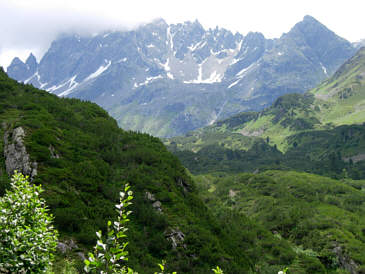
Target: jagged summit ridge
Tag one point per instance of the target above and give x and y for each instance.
(167, 79)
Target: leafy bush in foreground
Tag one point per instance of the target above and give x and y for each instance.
(27, 237)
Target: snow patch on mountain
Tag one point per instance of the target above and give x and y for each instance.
(122, 60)
(72, 84)
(148, 80)
(198, 45)
(243, 71)
(324, 69)
(30, 78)
(234, 83)
(99, 71)
(53, 88)
(216, 115)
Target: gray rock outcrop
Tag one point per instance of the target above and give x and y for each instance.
(16, 156)
(176, 237)
(155, 204)
(52, 150)
(66, 246)
(344, 260)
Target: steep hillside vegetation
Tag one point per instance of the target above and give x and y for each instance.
(321, 217)
(343, 95)
(82, 159)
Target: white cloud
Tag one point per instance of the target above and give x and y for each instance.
(31, 25)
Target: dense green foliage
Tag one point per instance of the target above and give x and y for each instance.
(336, 153)
(321, 217)
(84, 159)
(27, 236)
(321, 132)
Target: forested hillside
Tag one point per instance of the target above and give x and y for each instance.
(321, 217)
(82, 160)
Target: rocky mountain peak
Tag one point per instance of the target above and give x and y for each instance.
(32, 64)
(254, 38)
(159, 22)
(309, 26)
(18, 70)
(359, 44)
(16, 62)
(309, 18)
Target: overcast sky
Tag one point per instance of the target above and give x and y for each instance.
(30, 25)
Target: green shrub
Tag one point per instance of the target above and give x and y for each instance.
(27, 237)
(110, 253)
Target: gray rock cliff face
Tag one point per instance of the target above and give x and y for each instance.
(16, 156)
(176, 237)
(344, 260)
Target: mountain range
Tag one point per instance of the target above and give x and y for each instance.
(168, 79)
(324, 125)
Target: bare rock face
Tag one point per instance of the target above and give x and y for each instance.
(52, 150)
(176, 237)
(344, 260)
(66, 246)
(183, 184)
(155, 204)
(16, 156)
(150, 196)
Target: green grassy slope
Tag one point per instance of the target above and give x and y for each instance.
(321, 217)
(344, 93)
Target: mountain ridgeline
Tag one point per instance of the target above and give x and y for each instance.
(321, 131)
(170, 79)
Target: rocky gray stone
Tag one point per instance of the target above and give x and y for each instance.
(16, 156)
(67, 246)
(52, 150)
(150, 196)
(157, 205)
(182, 183)
(344, 261)
(81, 255)
(176, 236)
